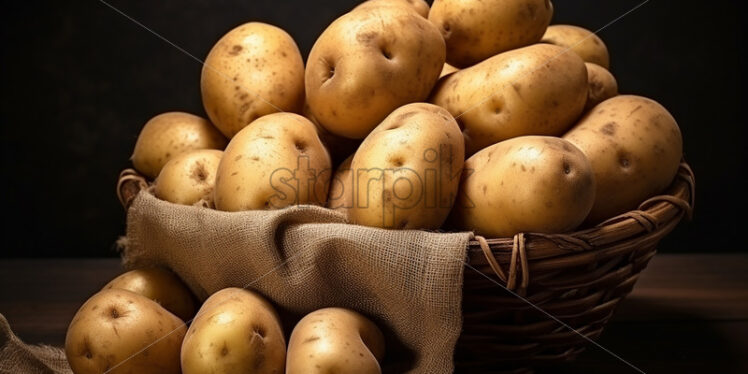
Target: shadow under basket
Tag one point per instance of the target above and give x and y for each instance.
(517, 289)
(522, 296)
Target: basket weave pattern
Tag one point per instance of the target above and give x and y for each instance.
(515, 288)
(578, 278)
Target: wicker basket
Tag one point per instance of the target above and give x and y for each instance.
(522, 296)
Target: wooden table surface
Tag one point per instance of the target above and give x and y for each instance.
(687, 314)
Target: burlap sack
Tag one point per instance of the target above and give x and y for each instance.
(16, 357)
(306, 257)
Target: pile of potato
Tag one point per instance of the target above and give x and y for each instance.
(137, 324)
(472, 115)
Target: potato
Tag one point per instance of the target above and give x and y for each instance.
(369, 62)
(253, 70)
(602, 85)
(235, 331)
(118, 331)
(169, 134)
(420, 6)
(447, 69)
(635, 147)
(341, 194)
(338, 146)
(475, 30)
(275, 162)
(536, 90)
(407, 171)
(189, 177)
(159, 285)
(335, 340)
(526, 184)
(582, 41)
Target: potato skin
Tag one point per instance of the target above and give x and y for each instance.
(189, 177)
(253, 70)
(169, 134)
(235, 331)
(526, 184)
(369, 62)
(276, 161)
(602, 85)
(635, 147)
(159, 285)
(447, 69)
(341, 194)
(582, 41)
(419, 6)
(475, 30)
(113, 326)
(335, 340)
(536, 90)
(406, 172)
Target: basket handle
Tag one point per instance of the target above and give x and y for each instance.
(129, 184)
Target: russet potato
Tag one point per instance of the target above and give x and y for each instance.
(335, 340)
(169, 134)
(635, 147)
(407, 171)
(189, 178)
(369, 62)
(235, 331)
(120, 332)
(276, 161)
(475, 30)
(526, 184)
(253, 70)
(159, 285)
(536, 90)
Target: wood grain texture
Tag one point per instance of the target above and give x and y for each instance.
(687, 313)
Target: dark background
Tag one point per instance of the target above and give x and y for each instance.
(80, 79)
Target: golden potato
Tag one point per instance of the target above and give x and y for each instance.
(526, 184)
(536, 90)
(602, 85)
(275, 162)
(189, 177)
(253, 70)
(338, 146)
(420, 6)
(235, 331)
(341, 194)
(369, 62)
(582, 41)
(635, 147)
(120, 332)
(447, 69)
(159, 285)
(475, 30)
(335, 340)
(169, 134)
(407, 171)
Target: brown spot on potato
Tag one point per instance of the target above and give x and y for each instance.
(237, 158)
(199, 172)
(310, 339)
(366, 37)
(235, 50)
(567, 168)
(224, 350)
(114, 313)
(300, 145)
(609, 128)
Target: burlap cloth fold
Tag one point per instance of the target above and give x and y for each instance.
(17, 357)
(306, 257)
